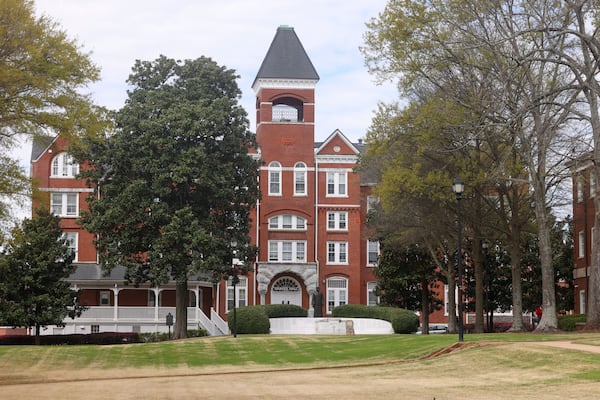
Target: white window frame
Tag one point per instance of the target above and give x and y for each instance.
(580, 188)
(337, 220)
(278, 222)
(241, 293)
(336, 293)
(274, 181)
(278, 250)
(337, 252)
(372, 248)
(72, 240)
(336, 184)
(371, 202)
(300, 186)
(64, 166)
(581, 244)
(104, 298)
(372, 298)
(68, 206)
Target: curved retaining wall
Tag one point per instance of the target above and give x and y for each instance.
(330, 326)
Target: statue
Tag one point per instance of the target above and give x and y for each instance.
(317, 303)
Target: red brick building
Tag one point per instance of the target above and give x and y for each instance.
(584, 188)
(309, 224)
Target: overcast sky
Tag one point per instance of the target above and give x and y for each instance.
(235, 34)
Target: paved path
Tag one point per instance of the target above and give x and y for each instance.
(567, 344)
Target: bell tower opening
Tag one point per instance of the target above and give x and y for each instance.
(287, 109)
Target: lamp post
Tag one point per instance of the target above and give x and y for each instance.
(459, 187)
(234, 281)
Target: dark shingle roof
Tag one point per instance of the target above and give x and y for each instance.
(39, 145)
(286, 58)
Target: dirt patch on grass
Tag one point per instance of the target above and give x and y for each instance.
(459, 372)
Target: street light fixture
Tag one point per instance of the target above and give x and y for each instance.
(459, 187)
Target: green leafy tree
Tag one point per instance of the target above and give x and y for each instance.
(407, 278)
(175, 184)
(35, 265)
(42, 74)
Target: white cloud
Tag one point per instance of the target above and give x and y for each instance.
(236, 34)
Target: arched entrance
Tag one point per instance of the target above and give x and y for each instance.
(286, 290)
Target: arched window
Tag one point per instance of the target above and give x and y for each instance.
(337, 293)
(275, 179)
(299, 179)
(64, 165)
(287, 221)
(287, 109)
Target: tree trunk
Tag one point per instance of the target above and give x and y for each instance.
(425, 307)
(479, 290)
(181, 296)
(517, 291)
(549, 320)
(452, 321)
(37, 334)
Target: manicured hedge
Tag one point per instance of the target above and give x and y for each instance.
(283, 310)
(93, 338)
(250, 320)
(403, 321)
(569, 322)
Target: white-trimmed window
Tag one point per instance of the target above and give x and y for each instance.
(300, 179)
(337, 252)
(581, 240)
(337, 183)
(64, 204)
(287, 251)
(372, 298)
(337, 220)
(372, 252)
(64, 165)
(580, 184)
(105, 298)
(274, 179)
(372, 202)
(337, 293)
(241, 293)
(287, 221)
(582, 302)
(70, 239)
(592, 184)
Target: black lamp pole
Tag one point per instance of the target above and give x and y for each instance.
(458, 187)
(234, 281)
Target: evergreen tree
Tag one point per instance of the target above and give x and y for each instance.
(175, 184)
(34, 265)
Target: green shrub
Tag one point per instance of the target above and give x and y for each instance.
(403, 321)
(250, 320)
(283, 310)
(569, 322)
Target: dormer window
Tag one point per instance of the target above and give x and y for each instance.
(64, 166)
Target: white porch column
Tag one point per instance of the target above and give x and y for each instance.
(197, 291)
(156, 291)
(116, 302)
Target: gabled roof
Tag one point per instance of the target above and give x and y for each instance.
(337, 134)
(40, 145)
(286, 58)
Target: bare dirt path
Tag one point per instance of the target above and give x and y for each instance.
(445, 378)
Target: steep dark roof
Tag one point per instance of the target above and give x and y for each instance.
(286, 58)
(39, 145)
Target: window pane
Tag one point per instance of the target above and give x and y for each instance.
(287, 251)
(71, 204)
(300, 223)
(56, 203)
(273, 223)
(287, 222)
(273, 251)
(331, 220)
(342, 220)
(300, 251)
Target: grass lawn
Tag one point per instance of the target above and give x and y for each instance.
(491, 366)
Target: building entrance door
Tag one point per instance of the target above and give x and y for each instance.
(286, 290)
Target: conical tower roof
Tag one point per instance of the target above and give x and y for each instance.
(286, 59)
